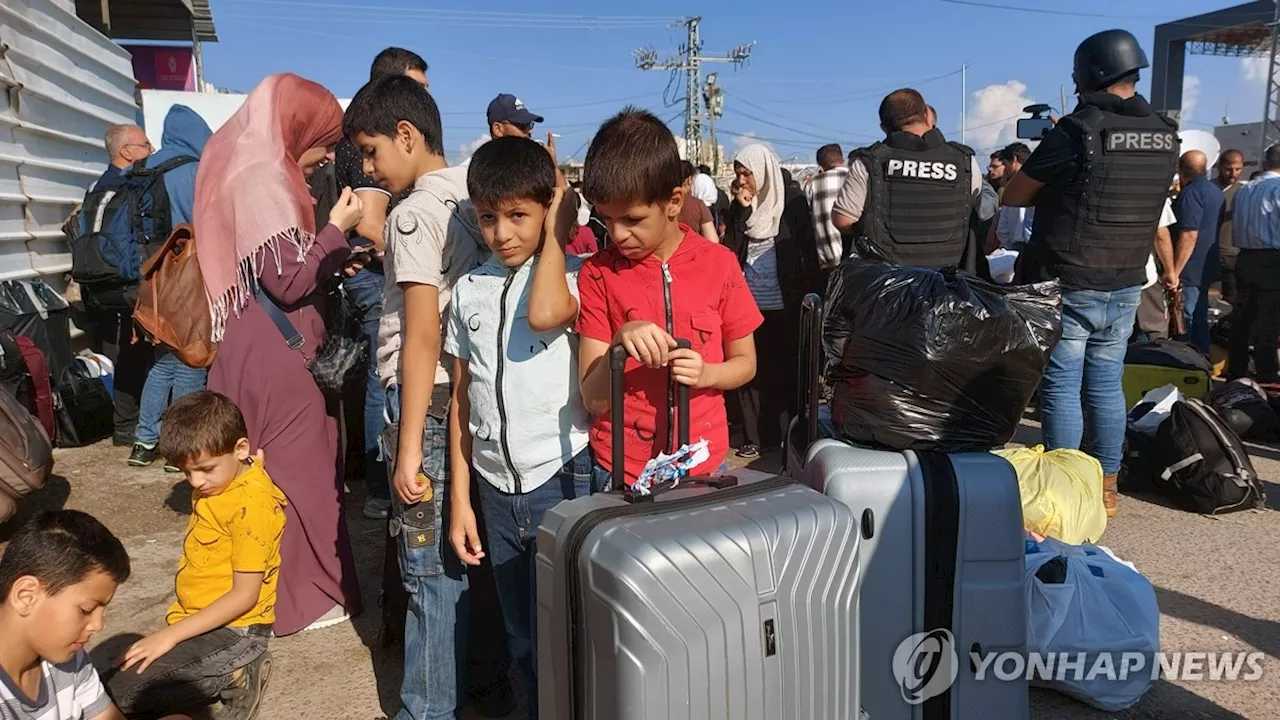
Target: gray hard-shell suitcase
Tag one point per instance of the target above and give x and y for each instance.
(942, 548)
(732, 597)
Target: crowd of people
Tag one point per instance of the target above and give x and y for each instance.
(488, 296)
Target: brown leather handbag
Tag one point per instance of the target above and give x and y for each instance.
(173, 307)
(26, 454)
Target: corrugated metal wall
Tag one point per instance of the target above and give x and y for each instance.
(61, 85)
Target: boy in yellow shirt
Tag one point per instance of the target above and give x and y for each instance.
(215, 645)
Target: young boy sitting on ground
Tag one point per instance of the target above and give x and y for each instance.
(215, 645)
(658, 281)
(517, 417)
(57, 576)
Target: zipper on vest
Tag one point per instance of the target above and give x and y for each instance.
(671, 380)
(502, 405)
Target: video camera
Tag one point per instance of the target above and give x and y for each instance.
(1036, 126)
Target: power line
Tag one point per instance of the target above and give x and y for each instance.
(562, 107)
(403, 10)
(868, 94)
(529, 24)
(1043, 11)
(382, 42)
(748, 103)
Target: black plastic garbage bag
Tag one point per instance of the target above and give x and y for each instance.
(925, 359)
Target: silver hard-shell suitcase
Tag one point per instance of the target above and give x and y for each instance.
(732, 597)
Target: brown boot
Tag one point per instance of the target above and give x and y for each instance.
(1109, 494)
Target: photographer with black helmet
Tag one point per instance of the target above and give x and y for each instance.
(1098, 182)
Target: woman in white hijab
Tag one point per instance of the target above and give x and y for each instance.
(757, 214)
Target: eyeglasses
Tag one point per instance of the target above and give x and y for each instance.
(146, 145)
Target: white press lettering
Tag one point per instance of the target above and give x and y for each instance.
(894, 167)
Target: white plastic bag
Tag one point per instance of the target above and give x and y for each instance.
(1103, 608)
(1164, 399)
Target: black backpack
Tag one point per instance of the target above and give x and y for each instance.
(119, 225)
(1198, 462)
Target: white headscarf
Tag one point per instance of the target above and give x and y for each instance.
(764, 166)
(704, 188)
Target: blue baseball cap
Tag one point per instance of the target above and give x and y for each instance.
(509, 108)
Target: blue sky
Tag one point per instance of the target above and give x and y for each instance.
(816, 74)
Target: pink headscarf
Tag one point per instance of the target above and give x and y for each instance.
(250, 192)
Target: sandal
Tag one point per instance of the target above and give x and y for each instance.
(243, 700)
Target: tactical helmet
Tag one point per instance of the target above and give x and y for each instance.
(1106, 57)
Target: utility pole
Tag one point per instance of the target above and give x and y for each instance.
(689, 59)
(714, 98)
(964, 102)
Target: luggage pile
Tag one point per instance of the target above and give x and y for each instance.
(942, 532)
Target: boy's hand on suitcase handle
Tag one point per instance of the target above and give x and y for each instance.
(465, 535)
(647, 343)
(688, 368)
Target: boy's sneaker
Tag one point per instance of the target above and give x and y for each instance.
(749, 452)
(377, 508)
(142, 456)
(495, 701)
(242, 700)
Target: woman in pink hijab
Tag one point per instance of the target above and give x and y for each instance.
(254, 218)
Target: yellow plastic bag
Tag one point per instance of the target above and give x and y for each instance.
(1061, 493)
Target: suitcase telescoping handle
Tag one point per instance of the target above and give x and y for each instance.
(617, 386)
(809, 373)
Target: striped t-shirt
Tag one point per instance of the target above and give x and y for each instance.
(70, 691)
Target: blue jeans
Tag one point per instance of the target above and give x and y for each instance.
(1095, 334)
(511, 540)
(1195, 301)
(168, 377)
(365, 291)
(435, 633)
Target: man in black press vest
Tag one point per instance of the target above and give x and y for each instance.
(911, 195)
(1098, 182)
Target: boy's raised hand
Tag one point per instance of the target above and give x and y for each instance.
(688, 368)
(347, 211)
(147, 650)
(465, 535)
(649, 344)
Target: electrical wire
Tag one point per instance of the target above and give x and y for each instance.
(1045, 11)
(868, 94)
(382, 42)
(432, 21)
(497, 15)
(839, 131)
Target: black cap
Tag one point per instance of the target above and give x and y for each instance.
(509, 108)
(1105, 57)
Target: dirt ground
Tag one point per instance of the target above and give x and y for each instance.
(1215, 579)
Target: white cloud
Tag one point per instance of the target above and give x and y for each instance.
(1255, 69)
(993, 115)
(741, 141)
(1190, 96)
(466, 150)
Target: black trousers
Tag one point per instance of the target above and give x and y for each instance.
(767, 398)
(1256, 318)
(1230, 282)
(111, 334)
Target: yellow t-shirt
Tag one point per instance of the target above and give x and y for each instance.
(238, 530)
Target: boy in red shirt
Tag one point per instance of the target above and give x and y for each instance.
(657, 281)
